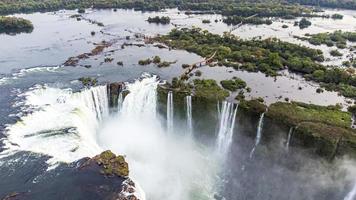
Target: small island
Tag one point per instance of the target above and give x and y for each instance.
(159, 20)
(15, 25)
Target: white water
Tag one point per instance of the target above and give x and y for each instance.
(165, 165)
(352, 194)
(188, 101)
(289, 138)
(258, 135)
(226, 127)
(120, 101)
(170, 112)
(59, 123)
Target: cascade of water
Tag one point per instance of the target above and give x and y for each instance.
(226, 127)
(289, 137)
(61, 124)
(218, 107)
(170, 112)
(138, 133)
(120, 101)
(258, 135)
(141, 102)
(352, 194)
(188, 100)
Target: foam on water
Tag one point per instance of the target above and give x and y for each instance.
(24, 72)
(59, 123)
(166, 166)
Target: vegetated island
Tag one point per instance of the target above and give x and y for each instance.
(268, 56)
(159, 20)
(337, 38)
(15, 25)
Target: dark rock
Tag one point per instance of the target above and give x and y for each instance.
(114, 90)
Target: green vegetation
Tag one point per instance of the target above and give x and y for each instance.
(145, 62)
(88, 81)
(157, 61)
(327, 130)
(347, 4)
(234, 84)
(304, 23)
(268, 56)
(337, 16)
(205, 21)
(335, 53)
(253, 106)
(13, 25)
(226, 7)
(337, 38)
(234, 20)
(284, 26)
(295, 113)
(81, 10)
(209, 89)
(112, 164)
(159, 20)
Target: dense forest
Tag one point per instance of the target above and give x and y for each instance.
(13, 25)
(225, 7)
(268, 56)
(347, 4)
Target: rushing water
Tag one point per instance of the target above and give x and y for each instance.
(67, 126)
(352, 194)
(120, 101)
(170, 112)
(188, 101)
(226, 127)
(167, 167)
(290, 133)
(59, 123)
(258, 134)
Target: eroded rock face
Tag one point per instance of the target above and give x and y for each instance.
(114, 90)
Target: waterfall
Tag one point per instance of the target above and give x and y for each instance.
(226, 127)
(120, 100)
(352, 194)
(289, 137)
(170, 112)
(138, 133)
(59, 123)
(188, 100)
(141, 102)
(258, 135)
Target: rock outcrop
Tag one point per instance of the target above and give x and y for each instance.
(114, 90)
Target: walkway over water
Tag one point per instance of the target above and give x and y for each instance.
(198, 64)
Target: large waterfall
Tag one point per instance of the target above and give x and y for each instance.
(258, 135)
(61, 124)
(170, 112)
(188, 101)
(165, 165)
(226, 127)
